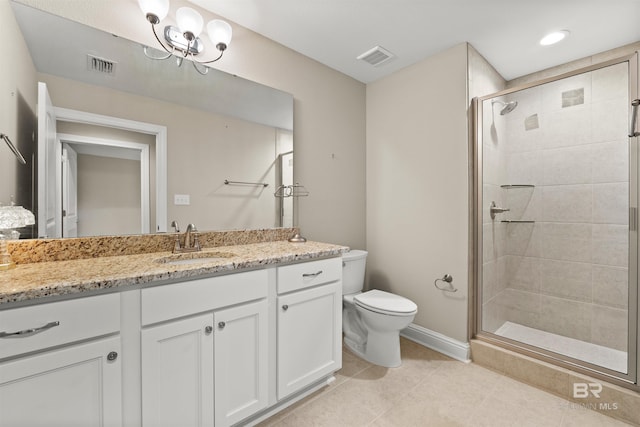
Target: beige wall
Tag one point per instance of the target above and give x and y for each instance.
(17, 107)
(417, 188)
(108, 196)
(329, 114)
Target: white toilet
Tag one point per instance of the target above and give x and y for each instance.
(371, 321)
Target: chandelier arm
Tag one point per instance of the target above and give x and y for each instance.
(169, 55)
(195, 65)
(153, 27)
(209, 62)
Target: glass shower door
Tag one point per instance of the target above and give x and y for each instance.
(558, 255)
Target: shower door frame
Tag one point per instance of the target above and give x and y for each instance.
(628, 380)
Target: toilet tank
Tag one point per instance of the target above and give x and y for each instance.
(353, 266)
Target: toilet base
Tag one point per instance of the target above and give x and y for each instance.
(380, 349)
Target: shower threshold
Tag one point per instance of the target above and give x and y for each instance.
(592, 353)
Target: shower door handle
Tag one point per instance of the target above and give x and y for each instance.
(634, 115)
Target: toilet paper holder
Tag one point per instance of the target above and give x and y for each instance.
(447, 278)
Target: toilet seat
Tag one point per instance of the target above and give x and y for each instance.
(385, 303)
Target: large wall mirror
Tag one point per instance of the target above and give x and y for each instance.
(228, 142)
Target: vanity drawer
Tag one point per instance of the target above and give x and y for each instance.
(51, 324)
(171, 301)
(308, 274)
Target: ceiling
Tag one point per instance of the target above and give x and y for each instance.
(505, 32)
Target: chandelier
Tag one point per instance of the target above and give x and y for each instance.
(182, 41)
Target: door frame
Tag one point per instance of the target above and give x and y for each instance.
(143, 150)
(158, 131)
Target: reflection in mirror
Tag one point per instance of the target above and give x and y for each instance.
(218, 127)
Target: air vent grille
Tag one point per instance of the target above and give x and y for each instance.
(376, 56)
(101, 65)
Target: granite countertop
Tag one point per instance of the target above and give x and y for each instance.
(55, 278)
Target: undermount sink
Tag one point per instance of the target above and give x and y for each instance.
(194, 258)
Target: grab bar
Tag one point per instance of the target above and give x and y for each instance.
(13, 148)
(634, 114)
(257, 184)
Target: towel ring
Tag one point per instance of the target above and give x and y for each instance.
(448, 279)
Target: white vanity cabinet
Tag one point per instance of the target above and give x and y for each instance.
(230, 349)
(205, 350)
(177, 373)
(309, 323)
(241, 362)
(61, 363)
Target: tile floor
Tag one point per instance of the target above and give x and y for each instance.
(430, 389)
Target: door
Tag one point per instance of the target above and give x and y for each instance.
(73, 386)
(309, 336)
(49, 168)
(177, 373)
(556, 218)
(69, 191)
(241, 340)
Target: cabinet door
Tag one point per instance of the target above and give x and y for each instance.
(309, 336)
(177, 373)
(72, 386)
(241, 340)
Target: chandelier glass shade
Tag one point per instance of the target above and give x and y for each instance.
(183, 41)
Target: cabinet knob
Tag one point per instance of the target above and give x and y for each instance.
(113, 355)
(221, 325)
(285, 307)
(208, 330)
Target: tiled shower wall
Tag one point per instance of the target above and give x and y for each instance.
(566, 272)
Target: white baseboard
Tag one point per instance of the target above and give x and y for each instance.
(436, 341)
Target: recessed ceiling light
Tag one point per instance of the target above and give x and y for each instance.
(553, 38)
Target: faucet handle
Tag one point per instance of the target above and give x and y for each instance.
(175, 225)
(196, 242)
(176, 245)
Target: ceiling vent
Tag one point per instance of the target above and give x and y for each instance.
(101, 65)
(376, 56)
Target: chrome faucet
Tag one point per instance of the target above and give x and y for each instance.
(191, 242)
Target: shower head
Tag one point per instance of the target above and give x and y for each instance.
(507, 107)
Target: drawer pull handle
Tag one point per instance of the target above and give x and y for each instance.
(29, 332)
(316, 274)
(221, 325)
(112, 356)
(285, 307)
(208, 330)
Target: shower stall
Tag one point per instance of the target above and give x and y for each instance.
(555, 220)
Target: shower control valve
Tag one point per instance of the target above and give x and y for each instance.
(493, 210)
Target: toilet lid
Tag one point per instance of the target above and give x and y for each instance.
(381, 301)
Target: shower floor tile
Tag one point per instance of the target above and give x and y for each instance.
(591, 353)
